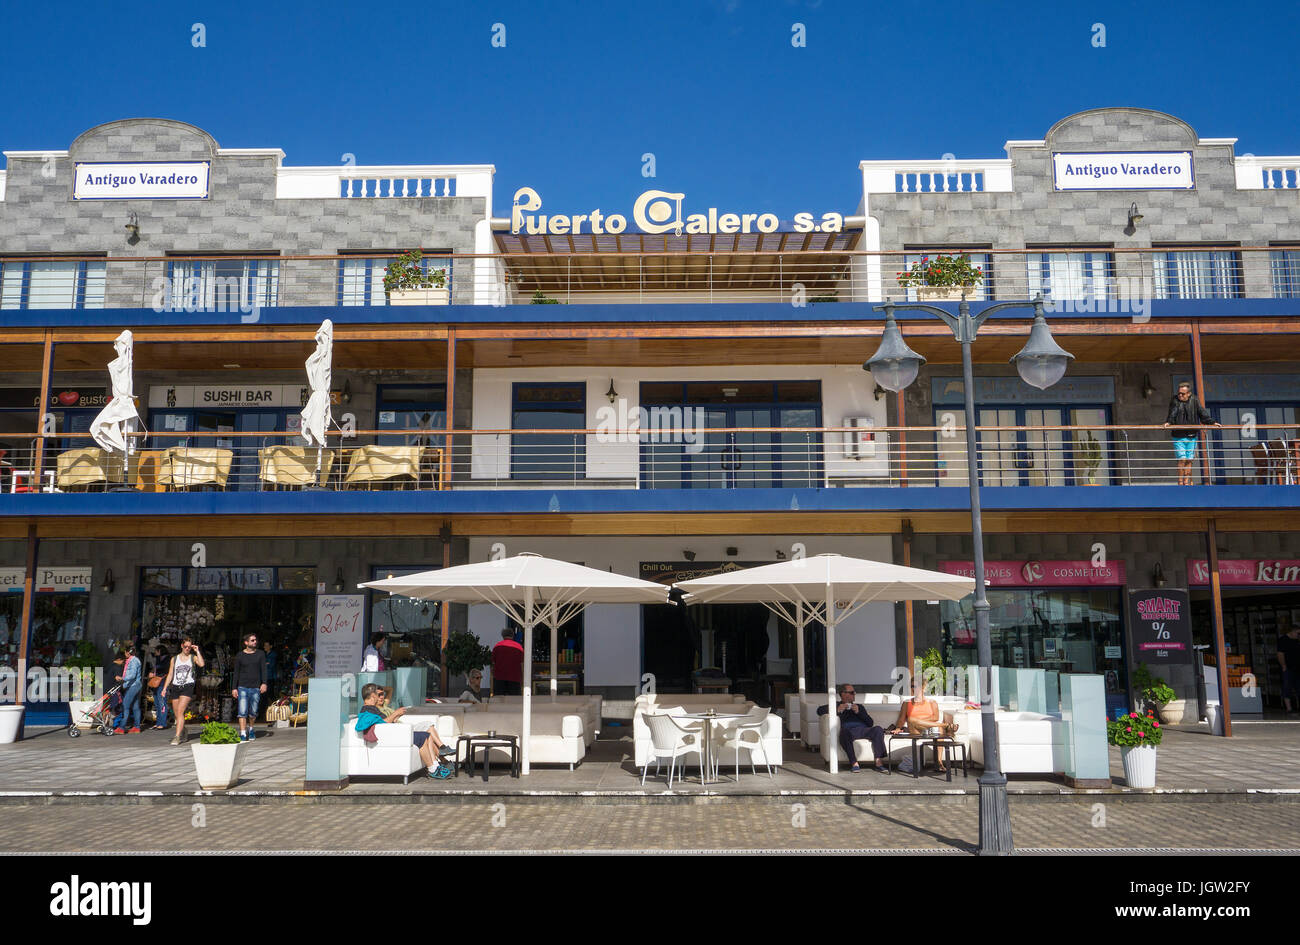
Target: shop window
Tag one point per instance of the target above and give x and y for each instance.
(982, 261)
(1071, 276)
(75, 284)
(1197, 274)
(548, 456)
(361, 279)
(418, 408)
(225, 285)
(1286, 273)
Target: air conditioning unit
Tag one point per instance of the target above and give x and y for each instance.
(860, 442)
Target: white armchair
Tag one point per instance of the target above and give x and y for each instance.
(670, 738)
(744, 735)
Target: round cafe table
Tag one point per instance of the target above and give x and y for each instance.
(709, 718)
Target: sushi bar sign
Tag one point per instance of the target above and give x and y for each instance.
(656, 211)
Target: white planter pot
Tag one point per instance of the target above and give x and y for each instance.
(218, 766)
(79, 710)
(1139, 766)
(432, 296)
(1173, 712)
(941, 293)
(11, 719)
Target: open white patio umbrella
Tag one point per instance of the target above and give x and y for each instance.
(119, 416)
(316, 415)
(826, 587)
(530, 589)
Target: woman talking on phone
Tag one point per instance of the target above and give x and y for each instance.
(181, 679)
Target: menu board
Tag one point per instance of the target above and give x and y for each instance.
(340, 633)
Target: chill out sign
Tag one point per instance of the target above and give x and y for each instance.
(1124, 170)
(147, 180)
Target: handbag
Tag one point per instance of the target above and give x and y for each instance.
(155, 681)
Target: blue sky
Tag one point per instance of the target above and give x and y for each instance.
(735, 115)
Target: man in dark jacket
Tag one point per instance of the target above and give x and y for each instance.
(1184, 412)
(855, 723)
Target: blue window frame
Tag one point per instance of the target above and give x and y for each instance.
(58, 283)
(1197, 274)
(1242, 452)
(1030, 455)
(548, 456)
(1071, 276)
(361, 279)
(224, 285)
(1286, 273)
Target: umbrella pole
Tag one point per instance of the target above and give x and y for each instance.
(833, 728)
(555, 639)
(799, 651)
(527, 727)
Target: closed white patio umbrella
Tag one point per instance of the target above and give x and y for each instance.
(530, 589)
(826, 587)
(119, 416)
(316, 415)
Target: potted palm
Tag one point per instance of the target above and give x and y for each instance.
(1089, 453)
(219, 756)
(941, 278)
(1137, 737)
(407, 281)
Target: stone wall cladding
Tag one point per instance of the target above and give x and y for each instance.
(242, 214)
(1036, 213)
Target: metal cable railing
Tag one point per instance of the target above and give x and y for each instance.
(675, 458)
(1076, 280)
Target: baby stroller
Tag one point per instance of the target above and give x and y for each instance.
(99, 715)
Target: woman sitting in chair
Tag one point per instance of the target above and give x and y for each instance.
(918, 715)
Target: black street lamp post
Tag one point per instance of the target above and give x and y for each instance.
(1041, 363)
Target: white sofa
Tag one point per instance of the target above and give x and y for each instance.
(1028, 742)
(589, 707)
(881, 706)
(555, 738)
(641, 744)
(393, 755)
(884, 713)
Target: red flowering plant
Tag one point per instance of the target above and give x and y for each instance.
(409, 271)
(1133, 730)
(942, 270)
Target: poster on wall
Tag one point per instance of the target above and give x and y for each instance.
(340, 632)
(1160, 635)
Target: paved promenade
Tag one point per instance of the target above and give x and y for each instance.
(1260, 758)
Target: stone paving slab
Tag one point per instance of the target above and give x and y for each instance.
(1259, 759)
(556, 825)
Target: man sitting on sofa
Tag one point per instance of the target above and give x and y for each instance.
(855, 723)
(372, 714)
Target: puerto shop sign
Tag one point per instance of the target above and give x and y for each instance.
(1042, 573)
(1247, 572)
(655, 211)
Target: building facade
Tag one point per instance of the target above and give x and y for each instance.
(693, 400)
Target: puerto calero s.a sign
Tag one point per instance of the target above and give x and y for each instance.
(143, 180)
(1123, 170)
(655, 211)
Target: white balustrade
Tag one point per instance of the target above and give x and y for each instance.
(1267, 173)
(382, 182)
(912, 177)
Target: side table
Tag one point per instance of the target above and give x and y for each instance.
(474, 743)
(947, 745)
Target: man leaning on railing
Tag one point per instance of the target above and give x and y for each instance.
(1185, 411)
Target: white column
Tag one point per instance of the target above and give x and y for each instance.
(799, 651)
